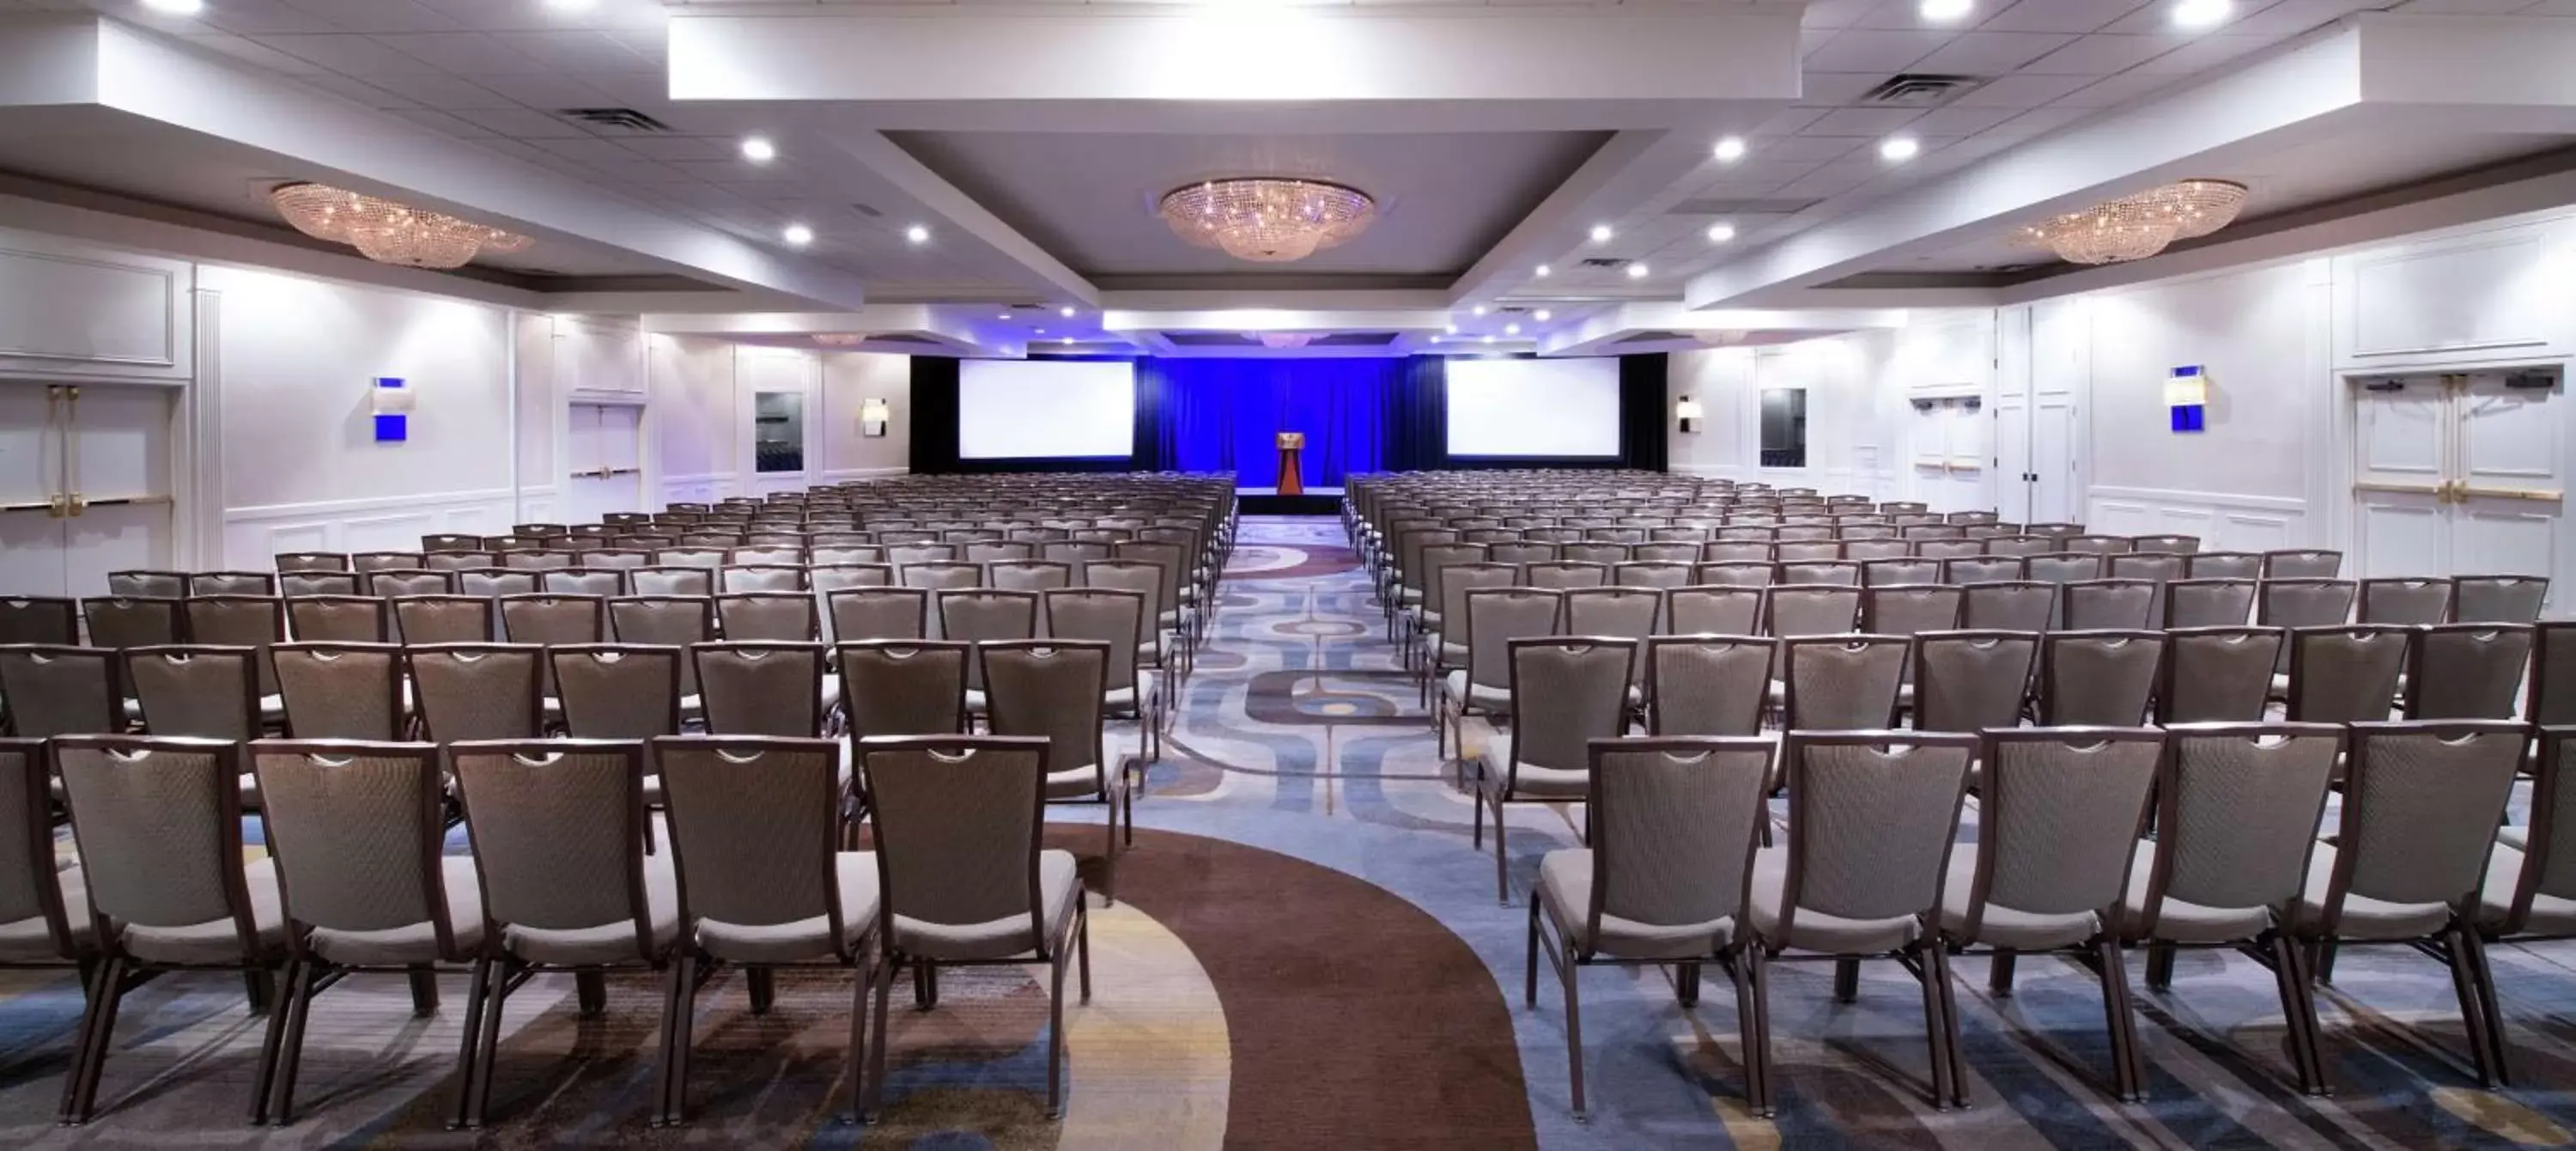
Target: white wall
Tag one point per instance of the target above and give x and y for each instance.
(850, 379)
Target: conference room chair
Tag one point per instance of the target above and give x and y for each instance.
(2222, 565)
(1806, 551)
(295, 584)
(157, 821)
(1684, 552)
(494, 583)
(2411, 602)
(285, 562)
(1802, 533)
(1521, 553)
(966, 880)
(1809, 609)
(1110, 616)
(663, 580)
(544, 618)
(442, 618)
(45, 920)
(2551, 695)
(477, 691)
(2410, 854)
(763, 884)
(2347, 674)
(616, 558)
(1661, 882)
(55, 689)
(761, 688)
(773, 616)
(1944, 550)
(1650, 574)
(2302, 563)
(253, 621)
(1482, 683)
(375, 561)
(341, 690)
(231, 583)
(1916, 527)
(870, 613)
(1445, 637)
(2020, 547)
(759, 578)
(1840, 682)
(1033, 575)
(2530, 889)
(1839, 572)
(1968, 681)
(1867, 548)
(982, 615)
(196, 690)
(2467, 671)
(457, 561)
(1565, 691)
(2060, 810)
(539, 561)
(788, 554)
(2498, 598)
(2101, 678)
(939, 577)
(830, 554)
(895, 687)
(1054, 689)
(1701, 609)
(1899, 570)
(1177, 604)
(825, 579)
(1075, 552)
(356, 830)
(1736, 551)
(156, 584)
(2102, 545)
(1860, 875)
(1629, 613)
(1982, 569)
(120, 622)
(545, 811)
(2009, 605)
(1423, 617)
(450, 542)
(393, 583)
(1707, 684)
(904, 555)
(2157, 568)
(2217, 674)
(2108, 604)
(1736, 573)
(601, 583)
(2211, 602)
(1909, 609)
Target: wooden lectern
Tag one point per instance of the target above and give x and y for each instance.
(1291, 444)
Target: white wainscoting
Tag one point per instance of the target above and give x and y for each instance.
(2224, 522)
(252, 535)
(843, 475)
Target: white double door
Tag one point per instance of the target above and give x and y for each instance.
(84, 485)
(605, 451)
(2460, 475)
(1948, 445)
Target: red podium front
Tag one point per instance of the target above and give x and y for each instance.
(1291, 445)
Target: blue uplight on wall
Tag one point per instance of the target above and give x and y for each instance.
(2187, 399)
(392, 403)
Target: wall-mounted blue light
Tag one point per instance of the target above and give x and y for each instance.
(392, 403)
(2187, 399)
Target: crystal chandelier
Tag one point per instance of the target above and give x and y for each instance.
(2137, 226)
(1267, 219)
(387, 232)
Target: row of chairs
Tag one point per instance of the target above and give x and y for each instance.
(2088, 841)
(559, 877)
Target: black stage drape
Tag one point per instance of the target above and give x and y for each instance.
(1421, 417)
(934, 414)
(1642, 445)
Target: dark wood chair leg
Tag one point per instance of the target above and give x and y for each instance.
(466, 1062)
(424, 991)
(762, 982)
(1999, 977)
(590, 992)
(1846, 980)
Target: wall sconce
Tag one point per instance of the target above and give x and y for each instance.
(873, 417)
(1688, 412)
(391, 403)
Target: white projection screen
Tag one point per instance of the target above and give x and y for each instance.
(1540, 409)
(1045, 409)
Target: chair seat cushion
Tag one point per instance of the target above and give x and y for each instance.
(1481, 697)
(417, 942)
(217, 941)
(855, 872)
(1125, 699)
(2516, 837)
(2004, 926)
(1813, 930)
(1565, 891)
(2363, 917)
(30, 941)
(2179, 921)
(1507, 780)
(1058, 888)
(610, 942)
(2550, 914)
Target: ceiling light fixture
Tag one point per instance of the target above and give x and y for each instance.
(2198, 14)
(1544, 271)
(1065, 311)
(916, 234)
(1285, 340)
(1489, 339)
(572, 5)
(1511, 329)
(1478, 310)
(758, 149)
(1637, 271)
(1720, 233)
(1945, 11)
(1068, 341)
(1003, 316)
(176, 7)
(1899, 149)
(1265, 219)
(2138, 226)
(1543, 315)
(1601, 233)
(1730, 149)
(797, 235)
(388, 232)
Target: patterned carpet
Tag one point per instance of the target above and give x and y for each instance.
(1308, 954)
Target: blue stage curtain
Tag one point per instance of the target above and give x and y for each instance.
(1223, 414)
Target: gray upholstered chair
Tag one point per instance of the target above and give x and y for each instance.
(314, 583)
(2021, 547)
(1565, 691)
(342, 690)
(339, 619)
(1943, 551)
(357, 830)
(311, 562)
(903, 686)
(1707, 684)
(547, 619)
(2410, 855)
(666, 621)
(477, 691)
(1157, 647)
(158, 823)
(1977, 569)
(870, 613)
(1840, 682)
(1809, 609)
(1899, 571)
(1483, 682)
(767, 616)
(154, 584)
(1662, 881)
(1629, 613)
(1736, 573)
(2410, 601)
(537, 561)
(2302, 602)
(2498, 598)
(734, 578)
(981, 615)
(2346, 674)
(1445, 641)
(364, 562)
(450, 542)
(1910, 609)
(2101, 545)
(2223, 565)
(708, 556)
(1814, 573)
(2217, 674)
(436, 619)
(2180, 545)
(1029, 575)
(754, 829)
(2236, 813)
(558, 838)
(1560, 575)
(616, 559)
(2530, 891)
(2302, 563)
(2009, 605)
(758, 688)
(2467, 671)
(494, 583)
(2098, 678)
(121, 622)
(597, 583)
(2195, 603)
(208, 584)
(44, 907)
(619, 691)
(2108, 604)
(199, 690)
(1968, 681)
(671, 580)
(2060, 810)
(252, 621)
(1871, 819)
(1054, 688)
(1806, 551)
(1735, 552)
(1109, 616)
(51, 690)
(453, 562)
(1712, 610)
(964, 880)
(938, 577)
(390, 583)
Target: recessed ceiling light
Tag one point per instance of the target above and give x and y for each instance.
(1511, 329)
(176, 7)
(1451, 329)
(1489, 339)
(758, 149)
(572, 5)
(1065, 311)
(1637, 271)
(1601, 233)
(1003, 316)
(1721, 233)
(1544, 271)
(1947, 10)
(1899, 149)
(1066, 340)
(1543, 315)
(917, 234)
(1730, 149)
(1477, 310)
(798, 235)
(2201, 13)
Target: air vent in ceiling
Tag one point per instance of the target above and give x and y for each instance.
(1354, 340)
(624, 119)
(867, 211)
(1211, 340)
(1919, 89)
(1613, 263)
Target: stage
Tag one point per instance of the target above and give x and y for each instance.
(1268, 502)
